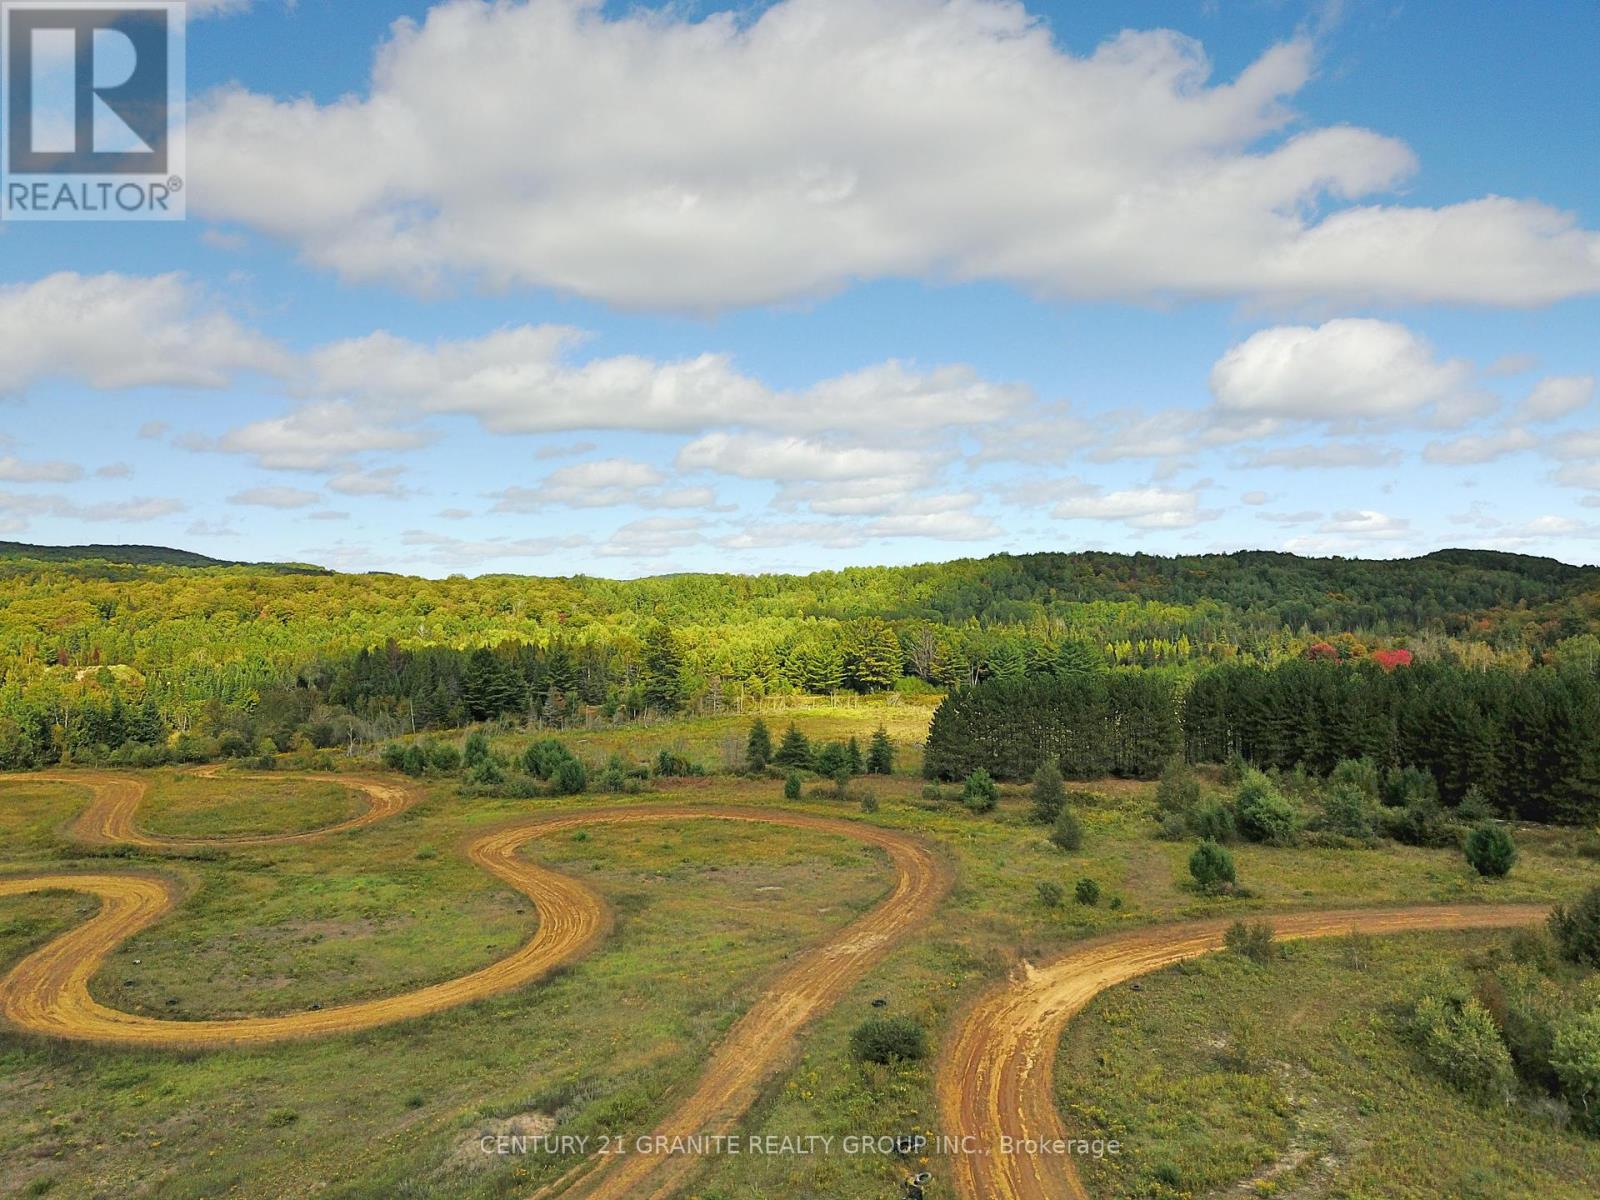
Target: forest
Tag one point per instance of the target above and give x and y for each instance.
(143, 654)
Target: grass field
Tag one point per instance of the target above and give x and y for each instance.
(1223, 1077)
(706, 912)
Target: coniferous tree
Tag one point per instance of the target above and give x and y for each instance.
(758, 749)
(880, 753)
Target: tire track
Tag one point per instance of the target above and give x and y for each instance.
(998, 1076)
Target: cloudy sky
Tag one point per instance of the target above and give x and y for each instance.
(564, 286)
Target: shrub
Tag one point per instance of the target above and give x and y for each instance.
(1349, 811)
(486, 773)
(393, 756)
(445, 758)
(1051, 893)
(841, 783)
(1359, 773)
(1212, 867)
(831, 759)
(571, 777)
(670, 764)
(869, 802)
(1173, 827)
(1049, 794)
(933, 792)
(543, 758)
(1458, 1039)
(1575, 1054)
(476, 750)
(1212, 821)
(1087, 892)
(415, 761)
(1265, 814)
(1407, 786)
(1255, 940)
(1178, 791)
(1422, 822)
(1527, 1006)
(888, 1040)
(1491, 851)
(1067, 833)
(791, 786)
(979, 793)
(853, 759)
(758, 749)
(1577, 929)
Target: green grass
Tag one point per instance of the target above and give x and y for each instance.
(1292, 1079)
(706, 911)
(189, 806)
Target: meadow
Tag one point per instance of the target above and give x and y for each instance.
(706, 913)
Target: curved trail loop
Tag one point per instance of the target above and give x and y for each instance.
(48, 991)
(998, 1078)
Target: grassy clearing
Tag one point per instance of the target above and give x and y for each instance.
(1292, 1080)
(706, 912)
(194, 806)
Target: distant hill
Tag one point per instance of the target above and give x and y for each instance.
(138, 556)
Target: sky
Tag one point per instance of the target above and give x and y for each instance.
(558, 287)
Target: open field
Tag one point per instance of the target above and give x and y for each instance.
(1290, 1079)
(708, 915)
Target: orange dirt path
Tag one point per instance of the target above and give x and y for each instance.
(998, 1076)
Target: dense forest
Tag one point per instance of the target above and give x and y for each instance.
(119, 649)
(1525, 740)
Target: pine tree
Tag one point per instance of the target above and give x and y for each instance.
(853, 756)
(758, 750)
(662, 671)
(880, 753)
(794, 751)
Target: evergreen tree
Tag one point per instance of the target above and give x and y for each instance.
(853, 758)
(794, 751)
(758, 750)
(1049, 796)
(661, 673)
(880, 753)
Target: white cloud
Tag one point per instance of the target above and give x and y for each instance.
(1557, 397)
(1325, 455)
(463, 552)
(382, 481)
(318, 437)
(1126, 173)
(18, 508)
(1479, 448)
(1140, 508)
(756, 456)
(274, 497)
(653, 537)
(605, 483)
(17, 470)
(1345, 371)
(1365, 523)
(123, 331)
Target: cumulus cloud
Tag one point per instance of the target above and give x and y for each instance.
(1140, 508)
(1125, 173)
(123, 331)
(1344, 371)
(1479, 448)
(605, 483)
(1325, 455)
(464, 552)
(17, 470)
(1557, 397)
(16, 509)
(317, 437)
(652, 537)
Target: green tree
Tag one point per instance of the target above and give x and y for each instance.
(1087, 892)
(1066, 833)
(791, 786)
(1575, 1055)
(1049, 794)
(661, 674)
(794, 750)
(758, 749)
(1491, 851)
(880, 753)
(476, 751)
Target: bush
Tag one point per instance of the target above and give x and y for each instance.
(1051, 893)
(543, 758)
(1087, 892)
(1178, 791)
(869, 802)
(831, 759)
(1575, 1054)
(571, 777)
(1459, 1040)
(1360, 774)
(1265, 814)
(670, 764)
(888, 1040)
(415, 760)
(1212, 821)
(791, 786)
(1476, 808)
(933, 793)
(1577, 929)
(1409, 785)
(1422, 822)
(486, 773)
(1491, 851)
(1255, 940)
(1067, 833)
(880, 753)
(1212, 867)
(979, 793)
(476, 750)
(393, 756)
(445, 759)
(1349, 811)
(1049, 794)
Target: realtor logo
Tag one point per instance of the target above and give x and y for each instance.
(92, 110)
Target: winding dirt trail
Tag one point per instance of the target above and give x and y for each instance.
(48, 991)
(998, 1077)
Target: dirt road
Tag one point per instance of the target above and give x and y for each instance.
(998, 1076)
(48, 991)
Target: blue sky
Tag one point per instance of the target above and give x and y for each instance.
(559, 287)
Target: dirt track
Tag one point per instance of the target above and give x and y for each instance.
(998, 1076)
(48, 992)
